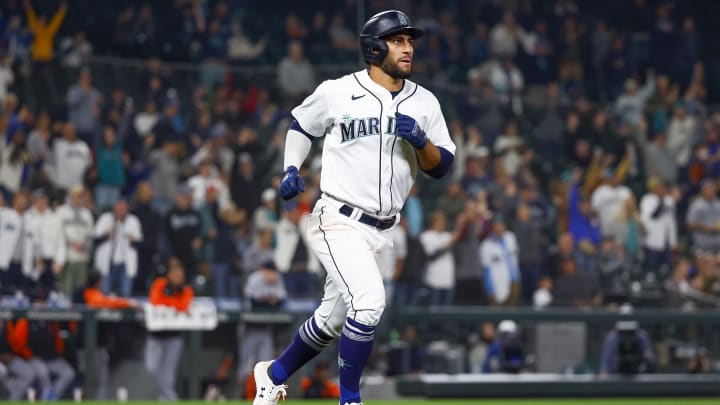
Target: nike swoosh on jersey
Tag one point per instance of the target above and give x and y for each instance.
(354, 97)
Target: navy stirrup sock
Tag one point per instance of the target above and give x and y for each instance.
(356, 344)
(309, 341)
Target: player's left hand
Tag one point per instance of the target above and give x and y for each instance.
(292, 184)
(409, 130)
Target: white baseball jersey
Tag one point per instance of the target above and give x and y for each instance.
(364, 164)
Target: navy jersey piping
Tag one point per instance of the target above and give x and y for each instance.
(392, 150)
(380, 154)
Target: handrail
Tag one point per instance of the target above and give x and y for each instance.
(427, 314)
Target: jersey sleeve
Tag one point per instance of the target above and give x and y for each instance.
(437, 130)
(313, 114)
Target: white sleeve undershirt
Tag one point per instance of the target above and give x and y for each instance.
(297, 148)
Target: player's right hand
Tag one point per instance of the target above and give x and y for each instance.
(292, 184)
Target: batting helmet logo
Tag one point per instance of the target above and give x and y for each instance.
(372, 43)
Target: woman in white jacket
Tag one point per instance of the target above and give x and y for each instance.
(116, 234)
(47, 235)
(18, 268)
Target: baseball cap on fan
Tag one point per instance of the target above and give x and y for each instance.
(268, 195)
(507, 326)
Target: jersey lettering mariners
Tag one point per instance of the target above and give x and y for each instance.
(369, 167)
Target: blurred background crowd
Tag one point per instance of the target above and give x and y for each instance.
(587, 141)
(586, 170)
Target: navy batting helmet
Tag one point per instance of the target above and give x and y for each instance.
(372, 44)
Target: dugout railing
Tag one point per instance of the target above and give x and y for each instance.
(699, 326)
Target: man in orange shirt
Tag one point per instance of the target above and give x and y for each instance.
(93, 297)
(44, 32)
(164, 349)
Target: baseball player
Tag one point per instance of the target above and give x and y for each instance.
(379, 128)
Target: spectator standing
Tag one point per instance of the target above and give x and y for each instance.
(77, 225)
(152, 229)
(111, 162)
(499, 258)
(508, 82)
(413, 213)
(660, 159)
(628, 228)
(7, 77)
(437, 244)
(260, 251)
(296, 75)
(657, 210)
(509, 147)
(48, 238)
(204, 180)
(76, 50)
(703, 219)
(14, 162)
(39, 151)
(264, 292)
(529, 236)
(15, 250)
(170, 126)
(392, 261)
(117, 234)
(452, 202)
(84, 102)
(219, 230)
(408, 283)
(265, 215)
(183, 227)
(44, 32)
(575, 289)
(241, 49)
(630, 105)
(607, 200)
(293, 256)
(71, 158)
(248, 176)
(582, 223)
(678, 291)
(146, 119)
(474, 224)
(505, 36)
(164, 349)
(681, 133)
(165, 174)
(94, 298)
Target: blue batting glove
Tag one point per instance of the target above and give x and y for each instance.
(409, 130)
(292, 184)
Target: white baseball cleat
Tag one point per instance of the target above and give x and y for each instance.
(266, 393)
(353, 403)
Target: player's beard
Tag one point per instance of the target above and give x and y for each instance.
(393, 69)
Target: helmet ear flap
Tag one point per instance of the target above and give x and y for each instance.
(373, 49)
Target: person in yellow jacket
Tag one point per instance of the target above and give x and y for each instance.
(44, 32)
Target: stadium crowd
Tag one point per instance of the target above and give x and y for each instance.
(586, 168)
(587, 158)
